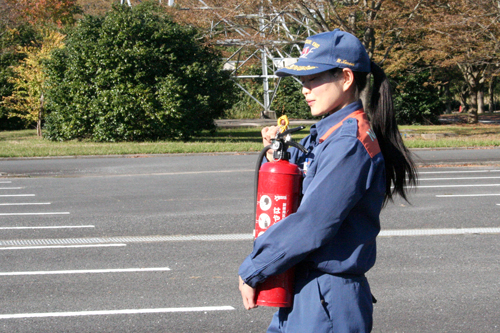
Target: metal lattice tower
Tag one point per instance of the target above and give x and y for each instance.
(269, 38)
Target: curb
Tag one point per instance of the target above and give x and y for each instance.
(235, 123)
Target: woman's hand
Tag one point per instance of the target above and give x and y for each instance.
(248, 295)
(268, 134)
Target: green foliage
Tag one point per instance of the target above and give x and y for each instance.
(27, 95)
(134, 75)
(246, 107)
(290, 100)
(417, 99)
(10, 40)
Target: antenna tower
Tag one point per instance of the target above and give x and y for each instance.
(260, 35)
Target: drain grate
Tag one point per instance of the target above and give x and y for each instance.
(124, 239)
(227, 237)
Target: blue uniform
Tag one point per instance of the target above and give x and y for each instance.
(331, 238)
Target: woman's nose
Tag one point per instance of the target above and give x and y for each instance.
(305, 90)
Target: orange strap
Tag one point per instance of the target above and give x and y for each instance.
(365, 133)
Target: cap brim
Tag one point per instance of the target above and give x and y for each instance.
(302, 69)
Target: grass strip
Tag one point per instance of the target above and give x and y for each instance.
(25, 143)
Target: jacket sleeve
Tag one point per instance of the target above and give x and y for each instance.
(339, 181)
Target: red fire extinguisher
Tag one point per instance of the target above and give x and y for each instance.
(277, 195)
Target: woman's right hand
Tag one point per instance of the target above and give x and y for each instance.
(268, 134)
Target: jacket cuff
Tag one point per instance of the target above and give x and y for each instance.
(249, 274)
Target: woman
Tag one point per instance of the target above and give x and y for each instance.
(351, 170)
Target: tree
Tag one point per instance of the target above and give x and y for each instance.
(36, 12)
(12, 35)
(27, 96)
(95, 7)
(133, 75)
(23, 25)
(416, 98)
(464, 34)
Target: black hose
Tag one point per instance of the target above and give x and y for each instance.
(256, 178)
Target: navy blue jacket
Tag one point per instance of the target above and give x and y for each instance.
(335, 226)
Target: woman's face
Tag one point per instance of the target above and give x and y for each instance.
(324, 92)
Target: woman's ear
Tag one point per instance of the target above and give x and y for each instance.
(348, 79)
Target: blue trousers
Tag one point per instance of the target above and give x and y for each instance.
(326, 303)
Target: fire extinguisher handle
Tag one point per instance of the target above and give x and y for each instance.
(290, 131)
(297, 145)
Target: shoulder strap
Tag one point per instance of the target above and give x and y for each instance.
(365, 133)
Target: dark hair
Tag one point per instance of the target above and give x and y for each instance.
(399, 167)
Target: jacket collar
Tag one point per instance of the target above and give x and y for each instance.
(322, 126)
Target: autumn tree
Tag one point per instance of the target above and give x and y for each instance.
(14, 35)
(382, 25)
(439, 34)
(36, 12)
(463, 34)
(23, 26)
(27, 98)
(95, 7)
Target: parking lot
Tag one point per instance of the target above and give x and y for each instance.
(153, 244)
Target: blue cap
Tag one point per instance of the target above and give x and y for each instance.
(328, 50)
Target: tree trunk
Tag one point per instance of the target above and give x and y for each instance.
(463, 95)
(480, 101)
(472, 76)
(472, 117)
(491, 88)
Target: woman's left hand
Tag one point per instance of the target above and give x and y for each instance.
(248, 295)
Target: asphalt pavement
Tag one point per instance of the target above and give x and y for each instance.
(144, 164)
(152, 243)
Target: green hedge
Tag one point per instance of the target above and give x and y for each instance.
(134, 75)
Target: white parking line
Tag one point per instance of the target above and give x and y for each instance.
(458, 178)
(467, 195)
(456, 171)
(16, 195)
(173, 173)
(24, 203)
(49, 227)
(58, 246)
(468, 185)
(49, 213)
(434, 232)
(5, 182)
(11, 188)
(115, 312)
(88, 271)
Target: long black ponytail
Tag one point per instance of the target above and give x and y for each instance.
(400, 169)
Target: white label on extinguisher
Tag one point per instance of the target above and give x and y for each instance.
(271, 209)
(264, 221)
(265, 202)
